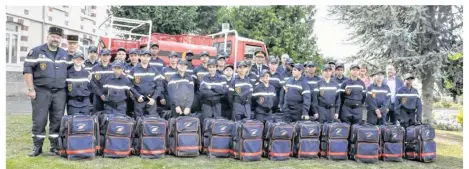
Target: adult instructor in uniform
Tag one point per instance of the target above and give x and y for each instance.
(45, 71)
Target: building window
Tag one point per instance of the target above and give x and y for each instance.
(81, 27)
(50, 18)
(26, 12)
(65, 6)
(66, 23)
(87, 11)
(66, 14)
(12, 43)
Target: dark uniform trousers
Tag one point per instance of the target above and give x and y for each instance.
(352, 113)
(262, 113)
(241, 111)
(372, 118)
(325, 114)
(72, 110)
(49, 103)
(292, 113)
(407, 116)
(143, 108)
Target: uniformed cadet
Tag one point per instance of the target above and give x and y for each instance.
(78, 87)
(225, 104)
(155, 59)
(198, 75)
(134, 59)
(277, 81)
(312, 79)
(116, 90)
(297, 100)
(181, 90)
(240, 93)
(264, 97)
(212, 88)
(71, 48)
(121, 54)
(189, 58)
(327, 93)
(92, 58)
(352, 96)
(287, 73)
(147, 86)
(333, 67)
(408, 103)
(339, 74)
(167, 72)
(377, 100)
(45, 71)
(221, 63)
(281, 68)
(248, 57)
(100, 73)
(260, 60)
(251, 75)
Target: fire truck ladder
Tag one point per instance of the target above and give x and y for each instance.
(121, 26)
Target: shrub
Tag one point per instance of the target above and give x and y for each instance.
(460, 116)
(446, 104)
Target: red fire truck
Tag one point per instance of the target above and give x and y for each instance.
(228, 41)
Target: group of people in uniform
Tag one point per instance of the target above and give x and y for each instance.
(59, 79)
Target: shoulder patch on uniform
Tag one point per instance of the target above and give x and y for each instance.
(30, 53)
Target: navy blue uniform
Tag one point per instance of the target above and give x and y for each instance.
(352, 96)
(167, 72)
(327, 101)
(264, 98)
(198, 76)
(312, 82)
(212, 90)
(225, 104)
(340, 81)
(408, 105)
(129, 66)
(147, 82)
(181, 92)
(99, 74)
(130, 100)
(277, 81)
(253, 78)
(378, 97)
(117, 90)
(239, 95)
(89, 65)
(297, 99)
(256, 70)
(79, 91)
(158, 63)
(49, 70)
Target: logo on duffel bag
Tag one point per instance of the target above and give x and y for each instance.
(253, 132)
(369, 134)
(283, 132)
(154, 129)
(81, 126)
(311, 132)
(119, 129)
(187, 124)
(394, 135)
(338, 130)
(223, 128)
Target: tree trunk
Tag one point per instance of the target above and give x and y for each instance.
(427, 97)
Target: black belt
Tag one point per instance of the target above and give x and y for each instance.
(78, 98)
(353, 105)
(407, 110)
(211, 102)
(241, 101)
(327, 106)
(49, 89)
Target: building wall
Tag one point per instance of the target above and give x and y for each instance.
(33, 23)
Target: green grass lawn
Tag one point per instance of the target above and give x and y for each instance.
(19, 144)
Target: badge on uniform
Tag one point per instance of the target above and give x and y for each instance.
(43, 66)
(30, 53)
(261, 100)
(404, 100)
(97, 76)
(373, 94)
(321, 92)
(70, 87)
(137, 79)
(348, 91)
(166, 77)
(238, 90)
(200, 76)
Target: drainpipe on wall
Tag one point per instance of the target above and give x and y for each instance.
(43, 23)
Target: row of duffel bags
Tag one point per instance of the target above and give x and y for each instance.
(117, 136)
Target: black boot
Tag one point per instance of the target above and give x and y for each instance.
(54, 146)
(37, 149)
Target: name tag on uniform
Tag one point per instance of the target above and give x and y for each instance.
(42, 55)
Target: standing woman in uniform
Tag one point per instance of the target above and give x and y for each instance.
(45, 71)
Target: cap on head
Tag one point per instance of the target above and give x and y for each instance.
(228, 66)
(241, 64)
(310, 64)
(204, 53)
(354, 66)
(339, 65)
(72, 38)
(289, 61)
(120, 49)
(299, 67)
(223, 53)
(220, 57)
(173, 54)
(154, 44)
(378, 72)
(260, 54)
(331, 63)
(248, 62)
(408, 76)
(212, 62)
(264, 72)
(326, 66)
(146, 52)
(183, 62)
(105, 52)
(189, 52)
(133, 51)
(118, 63)
(273, 60)
(92, 49)
(56, 30)
(78, 55)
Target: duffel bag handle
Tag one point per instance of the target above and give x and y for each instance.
(336, 120)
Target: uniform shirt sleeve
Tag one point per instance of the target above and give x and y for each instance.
(314, 98)
(306, 97)
(206, 92)
(95, 83)
(219, 89)
(30, 62)
(387, 102)
(338, 100)
(370, 101)
(158, 93)
(231, 92)
(190, 97)
(397, 104)
(363, 92)
(132, 88)
(342, 93)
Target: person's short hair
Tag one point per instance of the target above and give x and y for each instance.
(363, 66)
